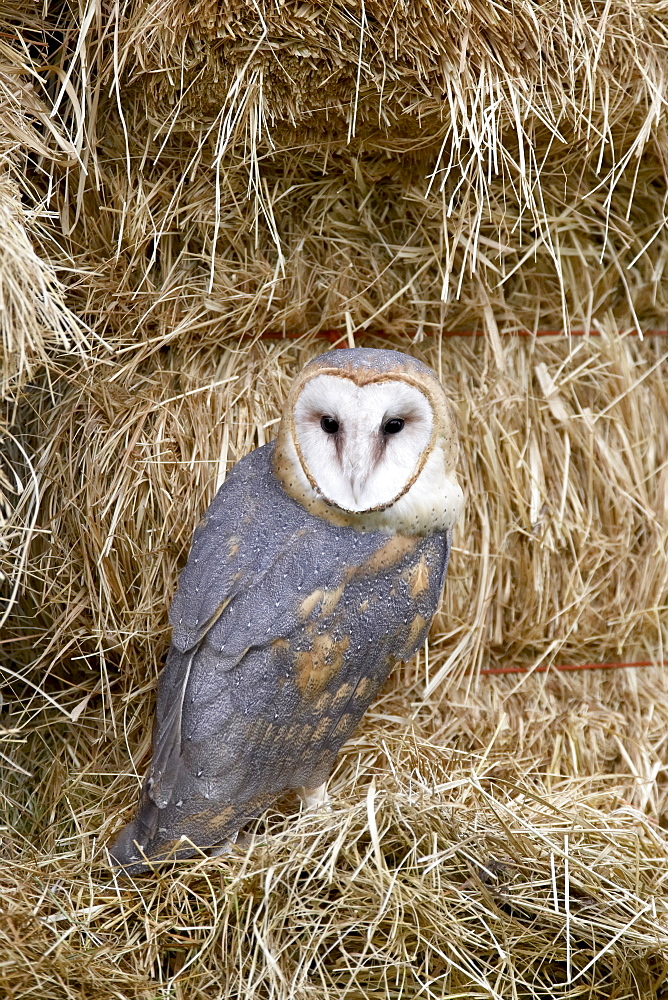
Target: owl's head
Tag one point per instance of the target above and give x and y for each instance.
(368, 438)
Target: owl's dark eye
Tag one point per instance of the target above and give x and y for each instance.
(394, 425)
(329, 424)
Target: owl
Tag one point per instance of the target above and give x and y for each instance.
(317, 567)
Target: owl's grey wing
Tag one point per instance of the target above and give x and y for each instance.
(235, 544)
(243, 549)
(284, 629)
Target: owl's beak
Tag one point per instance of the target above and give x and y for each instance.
(357, 459)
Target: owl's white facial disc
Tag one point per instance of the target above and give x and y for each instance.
(361, 445)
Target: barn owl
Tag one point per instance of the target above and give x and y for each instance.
(317, 567)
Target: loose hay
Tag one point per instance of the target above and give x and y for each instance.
(500, 167)
(459, 871)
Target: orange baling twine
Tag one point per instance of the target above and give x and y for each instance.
(338, 337)
(572, 666)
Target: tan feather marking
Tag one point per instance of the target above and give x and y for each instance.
(211, 821)
(219, 819)
(364, 606)
(233, 546)
(317, 665)
(417, 577)
(291, 734)
(330, 599)
(343, 724)
(322, 703)
(327, 598)
(341, 695)
(417, 626)
(365, 686)
(255, 729)
(167, 849)
(322, 729)
(396, 548)
(269, 733)
(309, 603)
(280, 645)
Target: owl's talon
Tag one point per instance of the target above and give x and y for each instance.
(315, 798)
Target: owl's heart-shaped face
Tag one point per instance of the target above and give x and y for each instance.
(368, 439)
(361, 445)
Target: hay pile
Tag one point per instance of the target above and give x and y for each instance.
(180, 179)
(34, 319)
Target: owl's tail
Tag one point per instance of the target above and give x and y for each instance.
(131, 845)
(155, 835)
(138, 849)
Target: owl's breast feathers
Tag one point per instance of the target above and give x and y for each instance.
(285, 627)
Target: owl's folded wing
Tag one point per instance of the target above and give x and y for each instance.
(253, 576)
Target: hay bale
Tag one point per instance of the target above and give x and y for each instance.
(562, 455)
(35, 323)
(360, 246)
(486, 836)
(489, 850)
(401, 75)
(36, 326)
(503, 202)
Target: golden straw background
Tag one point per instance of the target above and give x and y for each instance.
(191, 195)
